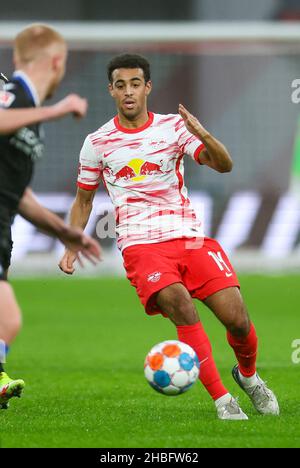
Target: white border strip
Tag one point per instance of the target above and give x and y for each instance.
(164, 32)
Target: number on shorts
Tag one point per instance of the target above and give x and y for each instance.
(217, 256)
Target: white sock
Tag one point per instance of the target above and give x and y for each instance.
(223, 399)
(249, 381)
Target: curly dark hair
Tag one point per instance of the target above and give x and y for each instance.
(129, 61)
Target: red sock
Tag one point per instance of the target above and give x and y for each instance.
(245, 349)
(195, 336)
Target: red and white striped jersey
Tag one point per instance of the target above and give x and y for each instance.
(142, 170)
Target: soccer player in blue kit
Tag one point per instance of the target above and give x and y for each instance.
(40, 55)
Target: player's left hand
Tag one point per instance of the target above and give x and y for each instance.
(191, 122)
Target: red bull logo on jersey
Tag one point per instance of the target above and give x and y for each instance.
(137, 170)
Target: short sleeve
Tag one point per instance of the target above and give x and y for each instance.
(188, 143)
(89, 172)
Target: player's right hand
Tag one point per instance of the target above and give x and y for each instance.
(77, 244)
(73, 104)
(67, 262)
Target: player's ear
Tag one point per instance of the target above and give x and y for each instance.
(111, 90)
(56, 62)
(148, 87)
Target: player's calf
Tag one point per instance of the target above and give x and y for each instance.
(10, 314)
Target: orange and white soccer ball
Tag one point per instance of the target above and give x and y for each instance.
(171, 367)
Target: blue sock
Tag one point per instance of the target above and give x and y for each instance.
(3, 352)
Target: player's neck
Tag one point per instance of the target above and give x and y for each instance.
(38, 80)
(136, 122)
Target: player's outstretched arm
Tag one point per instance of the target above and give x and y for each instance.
(13, 119)
(215, 154)
(73, 238)
(79, 216)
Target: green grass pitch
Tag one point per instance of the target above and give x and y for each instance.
(81, 353)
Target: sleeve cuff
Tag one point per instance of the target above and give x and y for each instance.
(87, 187)
(197, 153)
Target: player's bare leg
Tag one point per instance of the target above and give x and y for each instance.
(10, 315)
(176, 302)
(229, 308)
(10, 323)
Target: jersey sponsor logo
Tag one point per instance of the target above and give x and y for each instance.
(6, 98)
(154, 277)
(137, 170)
(28, 142)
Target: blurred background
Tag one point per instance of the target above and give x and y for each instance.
(233, 63)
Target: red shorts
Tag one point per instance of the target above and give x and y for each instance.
(200, 265)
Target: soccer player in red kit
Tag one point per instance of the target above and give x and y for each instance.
(139, 156)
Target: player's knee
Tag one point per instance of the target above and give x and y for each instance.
(240, 325)
(184, 312)
(239, 322)
(176, 302)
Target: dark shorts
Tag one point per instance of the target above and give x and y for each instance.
(5, 248)
(200, 265)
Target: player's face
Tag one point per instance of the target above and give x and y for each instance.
(129, 90)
